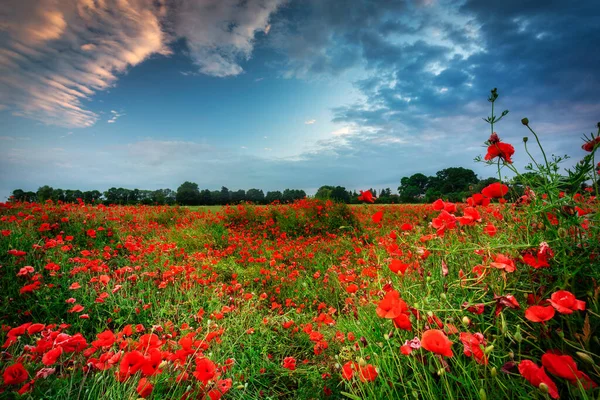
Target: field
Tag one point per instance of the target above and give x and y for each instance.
(308, 300)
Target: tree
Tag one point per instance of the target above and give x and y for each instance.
(290, 195)
(225, 196)
(44, 193)
(324, 192)
(273, 196)
(91, 196)
(188, 194)
(340, 194)
(205, 198)
(255, 196)
(412, 189)
(238, 196)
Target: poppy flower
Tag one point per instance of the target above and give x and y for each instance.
(565, 367)
(495, 190)
(144, 388)
(391, 305)
(131, 363)
(490, 230)
(366, 197)
(589, 145)
(205, 370)
(377, 217)
(503, 262)
(539, 313)
(565, 302)
(473, 346)
(348, 370)
(398, 266)
(500, 149)
(289, 363)
(470, 217)
(224, 385)
(368, 373)
(51, 356)
(436, 341)
(15, 374)
(536, 376)
(443, 222)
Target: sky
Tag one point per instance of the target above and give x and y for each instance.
(276, 94)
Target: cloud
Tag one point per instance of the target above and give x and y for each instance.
(346, 130)
(226, 34)
(310, 122)
(56, 54)
(115, 115)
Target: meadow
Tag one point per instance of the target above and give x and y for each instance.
(486, 299)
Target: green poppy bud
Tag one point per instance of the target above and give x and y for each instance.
(525, 121)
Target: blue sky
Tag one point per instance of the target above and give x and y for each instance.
(279, 94)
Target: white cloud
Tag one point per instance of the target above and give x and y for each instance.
(346, 130)
(310, 122)
(115, 115)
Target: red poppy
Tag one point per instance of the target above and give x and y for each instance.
(51, 356)
(500, 149)
(348, 370)
(368, 373)
(470, 217)
(473, 346)
(539, 313)
(402, 321)
(144, 388)
(437, 342)
(106, 338)
(495, 190)
(536, 376)
(503, 262)
(391, 305)
(398, 266)
(205, 370)
(366, 196)
(15, 374)
(289, 363)
(590, 145)
(443, 222)
(565, 302)
(490, 230)
(565, 367)
(131, 363)
(377, 217)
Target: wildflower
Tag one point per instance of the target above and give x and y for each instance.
(539, 313)
(289, 363)
(495, 190)
(377, 217)
(391, 306)
(500, 149)
(565, 302)
(368, 373)
(437, 342)
(15, 374)
(366, 197)
(473, 346)
(205, 370)
(591, 144)
(565, 367)
(503, 262)
(537, 376)
(144, 388)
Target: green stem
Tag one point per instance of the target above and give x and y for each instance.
(540, 146)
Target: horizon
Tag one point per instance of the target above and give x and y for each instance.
(275, 94)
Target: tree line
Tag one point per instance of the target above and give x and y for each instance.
(452, 184)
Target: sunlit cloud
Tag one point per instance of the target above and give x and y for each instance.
(310, 122)
(55, 55)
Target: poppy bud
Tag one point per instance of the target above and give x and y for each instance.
(543, 388)
(466, 321)
(560, 333)
(502, 324)
(518, 336)
(525, 121)
(443, 296)
(482, 394)
(585, 357)
(441, 371)
(494, 372)
(362, 362)
(525, 139)
(386, 336)
(488, 349)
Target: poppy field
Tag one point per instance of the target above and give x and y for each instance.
(496, 297)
